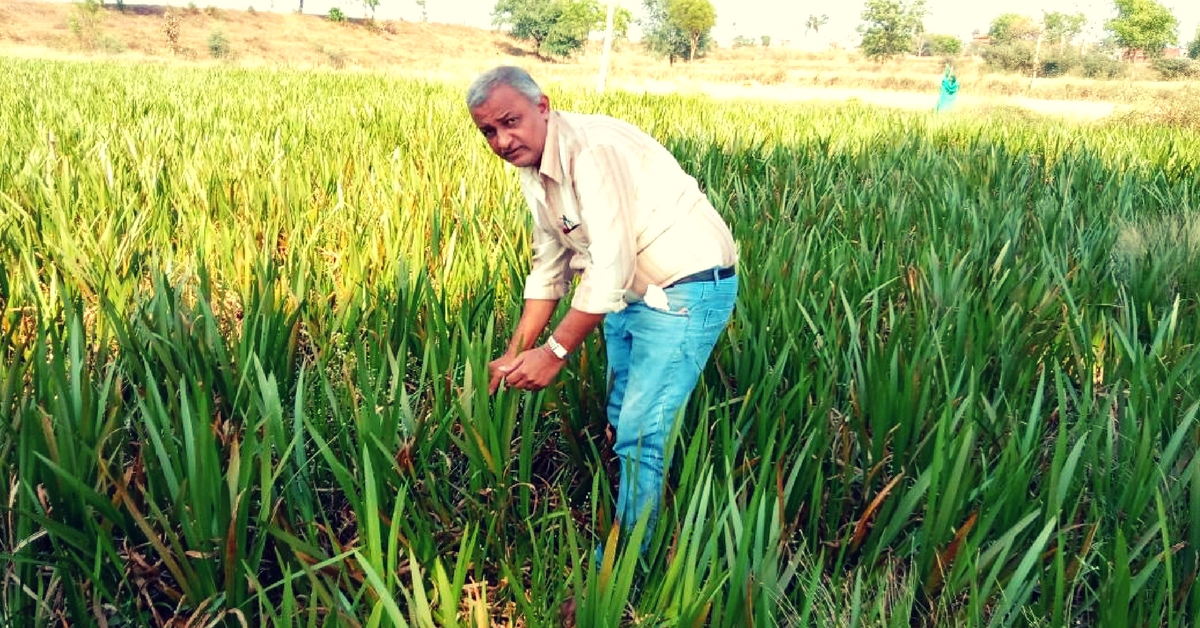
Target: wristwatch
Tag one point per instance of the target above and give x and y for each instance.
(557, 349)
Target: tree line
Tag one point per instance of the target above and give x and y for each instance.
(675, 29)
(681, 30)
(1141, 28)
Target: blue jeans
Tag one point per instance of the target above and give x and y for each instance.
(655, 358)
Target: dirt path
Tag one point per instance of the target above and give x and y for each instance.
(1081, 110)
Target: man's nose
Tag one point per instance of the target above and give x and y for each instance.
(503, 139)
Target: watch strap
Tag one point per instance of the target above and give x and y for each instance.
(556, 348)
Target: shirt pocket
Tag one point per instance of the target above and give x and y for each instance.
(569, 220)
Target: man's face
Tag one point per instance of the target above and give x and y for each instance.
(514, 127)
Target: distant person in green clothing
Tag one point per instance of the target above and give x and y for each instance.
(949, 90)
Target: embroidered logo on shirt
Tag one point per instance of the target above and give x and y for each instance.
(569, 226)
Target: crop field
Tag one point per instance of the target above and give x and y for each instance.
(246, 315)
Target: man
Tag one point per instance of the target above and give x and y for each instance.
(655, 263)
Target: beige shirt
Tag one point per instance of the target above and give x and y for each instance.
(611, 203)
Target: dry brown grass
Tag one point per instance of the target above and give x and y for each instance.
(261, 38)
(456, 53)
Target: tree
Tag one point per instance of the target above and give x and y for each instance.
(942, 46)
(424, 11)
(622, 18)
(814, 23)
(695, 18)
(85, 22)
(557, 27)
(741, 41)
(891, 27)
(1143, 25)
(664, 38)
(1013, 27)
(1194, 47)
(1064, 27)
(371, 5)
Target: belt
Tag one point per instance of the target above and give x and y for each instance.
(712, 274)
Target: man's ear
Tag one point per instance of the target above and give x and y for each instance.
(544, 104)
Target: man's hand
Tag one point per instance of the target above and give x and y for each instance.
(534, 369)
(497, 369)
(530, 370)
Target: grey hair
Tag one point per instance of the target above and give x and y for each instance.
(482, 87)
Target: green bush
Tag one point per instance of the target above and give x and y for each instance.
(941, 46)
(111, 44)
(1173, 69)
(336, 15)
(1058, 64)
(1101, 66)
(218, 45)
(1011, 57)
(85, 22)
(742, 41)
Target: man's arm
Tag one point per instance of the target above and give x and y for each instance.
(604, 185)
(534, 369)
(534, 318)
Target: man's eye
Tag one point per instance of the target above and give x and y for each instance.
(511, 122)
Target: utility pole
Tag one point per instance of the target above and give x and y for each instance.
(604, 59)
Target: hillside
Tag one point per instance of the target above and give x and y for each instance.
(256, 38)
(452, 52)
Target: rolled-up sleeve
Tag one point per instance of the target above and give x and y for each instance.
(549, 274)
(605, 187)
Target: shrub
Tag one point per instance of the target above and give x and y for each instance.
(1173, 69)
(941, 46)
(250, 10)
(389, 27)
(171, 28)
(85, 22)
(742, 42)
(335, 56)
(1057, 64)
(192, 9)
(1102, 66)
(336, 15)
(211, 11)
(218, 45)
(111, 44)
(1011, 57)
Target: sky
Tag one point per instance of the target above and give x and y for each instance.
(782, 20)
